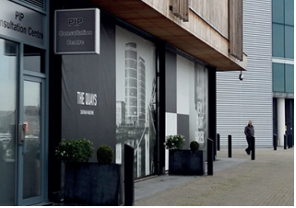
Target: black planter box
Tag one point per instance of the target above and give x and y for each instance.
(186, 162)
(92, 184)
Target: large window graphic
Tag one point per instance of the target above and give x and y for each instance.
(135, 99)
(198, 113)
(201, 103)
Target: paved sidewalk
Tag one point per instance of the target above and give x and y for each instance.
(239, 181)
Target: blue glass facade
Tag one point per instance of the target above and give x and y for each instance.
(283, 67)
(283, 45)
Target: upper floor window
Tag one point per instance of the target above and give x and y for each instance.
(33, 59)
(278, 11)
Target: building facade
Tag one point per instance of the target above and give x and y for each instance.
(283, 68)
(250, 98)
(268, 84)
(150, 74)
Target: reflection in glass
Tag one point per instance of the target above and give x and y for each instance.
(289, 78)
(289, 12)
(278, 77)
(278, 40)
(289, 42)
(8, 66)
(278, 11)
(32, 117)
(33, 59)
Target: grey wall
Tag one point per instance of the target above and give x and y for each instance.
(250, 99)
(171, 82)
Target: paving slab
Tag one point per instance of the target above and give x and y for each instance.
(266, 181)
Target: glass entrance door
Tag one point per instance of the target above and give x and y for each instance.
(32, 148)
(31, 129)
(22, 125)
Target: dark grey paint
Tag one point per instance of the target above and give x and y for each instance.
(171, 82)
(183, 128)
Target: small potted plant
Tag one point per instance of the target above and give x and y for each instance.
(89, 183)
(74, 150)
(194, 146)
(104, 154)
(174, 142)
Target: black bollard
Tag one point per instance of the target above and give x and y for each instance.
(210, 156)
(274, 142)
(289, 140)
(218, 142)
(229, 146)
(253, 148)
(285, 141)
(128, 175)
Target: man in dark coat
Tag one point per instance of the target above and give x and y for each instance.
(249, 132)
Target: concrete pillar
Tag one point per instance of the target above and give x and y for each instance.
(281, 120)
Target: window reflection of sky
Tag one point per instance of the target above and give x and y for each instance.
(7, 78)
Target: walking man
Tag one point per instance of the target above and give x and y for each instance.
(249, 132)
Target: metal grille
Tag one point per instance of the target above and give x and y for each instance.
(36, 3)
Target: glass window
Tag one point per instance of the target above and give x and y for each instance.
(289, 12)
(33, 59)
(289, 78)
(278, 11)
(32, 117)
(289, 42)
(278, 40)
(278, 77)
(8, 92)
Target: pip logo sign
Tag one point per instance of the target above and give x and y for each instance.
(76, 21)
(19, 16)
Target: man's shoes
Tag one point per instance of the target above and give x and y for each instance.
(248, 152)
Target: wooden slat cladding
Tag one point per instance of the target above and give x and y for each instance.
(214, 13)
(180, 8)
(236, 28)
(196, 37)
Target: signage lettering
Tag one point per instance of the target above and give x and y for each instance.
(90, 99)
(80, 98)
(19, 28)
(86, 99)
(21, 23)
(19, 15)
(74, 21)
(77, 31)
(87, 112)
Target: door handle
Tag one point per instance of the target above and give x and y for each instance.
(21, 133)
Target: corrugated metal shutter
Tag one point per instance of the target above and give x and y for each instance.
(250, 99)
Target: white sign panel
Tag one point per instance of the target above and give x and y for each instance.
(21, 23)
(77, 31)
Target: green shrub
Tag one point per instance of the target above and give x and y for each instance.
(74, 150)
(174, 141)
(105, 154)
(194, 146)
